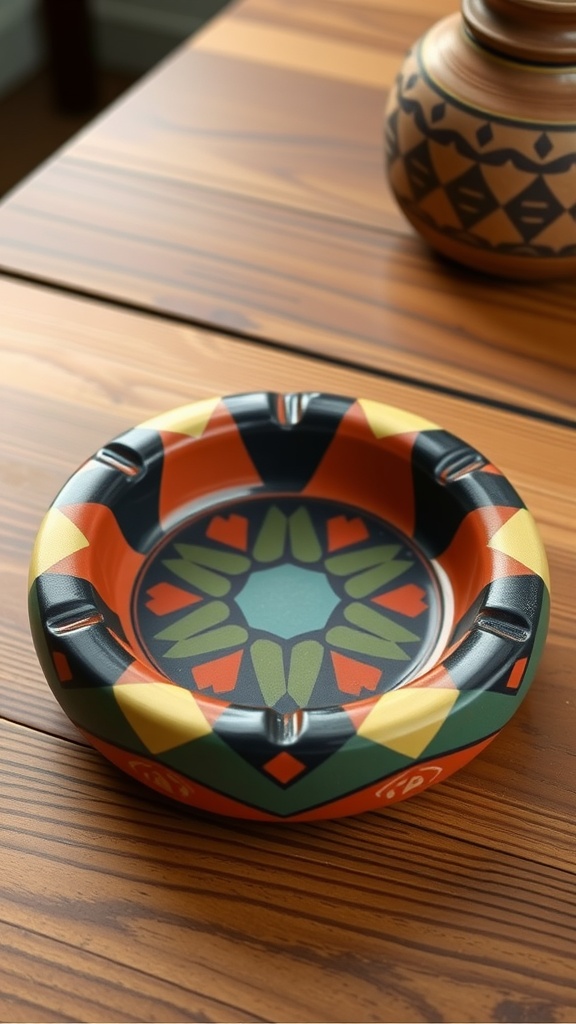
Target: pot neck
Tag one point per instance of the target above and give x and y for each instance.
(538, 31)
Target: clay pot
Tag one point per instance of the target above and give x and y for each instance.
(481, 137)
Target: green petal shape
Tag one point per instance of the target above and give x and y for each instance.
(355, 561)
(209, 615)
(222, 561)
(271, 538)
(213, 640)
(268, 663)
(305, 664)
(363, 643)
(373, 579)
(303, 540)
(374, 622)
(197, 576)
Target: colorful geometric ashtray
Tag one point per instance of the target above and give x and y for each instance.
(288, 607)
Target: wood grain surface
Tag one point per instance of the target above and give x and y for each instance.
(227, 228)
(241, 186)
(458, 905)
(130, 911)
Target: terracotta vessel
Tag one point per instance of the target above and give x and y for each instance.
(481, 137)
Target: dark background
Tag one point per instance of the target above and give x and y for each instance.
(63, 61)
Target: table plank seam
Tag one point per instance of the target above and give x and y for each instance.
(36, 729)
(291, 349)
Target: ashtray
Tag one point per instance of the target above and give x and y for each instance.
(287, 607)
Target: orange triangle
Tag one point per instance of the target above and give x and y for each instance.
(231, 530)
(409, 600)
(164, 598)
(220, 675)
(342, 532)
(353, 676)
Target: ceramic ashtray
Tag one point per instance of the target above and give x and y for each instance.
(288, 607)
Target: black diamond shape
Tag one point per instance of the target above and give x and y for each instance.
(533, 209)
(471, 197)
(438, 112)
(484, 134)
(411, 82)
(391, 137)
(543, 146)
(420, 170)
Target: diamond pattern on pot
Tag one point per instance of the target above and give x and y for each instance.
(534, 209)
(471, 197)
(420, 170)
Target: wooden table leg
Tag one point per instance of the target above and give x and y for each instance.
(68, 30)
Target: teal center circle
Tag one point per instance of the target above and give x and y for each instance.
(287, 600)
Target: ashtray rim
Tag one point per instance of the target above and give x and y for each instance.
(451, 468)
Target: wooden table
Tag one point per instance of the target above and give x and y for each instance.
(226, 228)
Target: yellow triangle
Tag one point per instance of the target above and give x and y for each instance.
(387, 420)
(187, 419)
(57, 538)
(520, 539)
(408, 720)
(163, 716)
